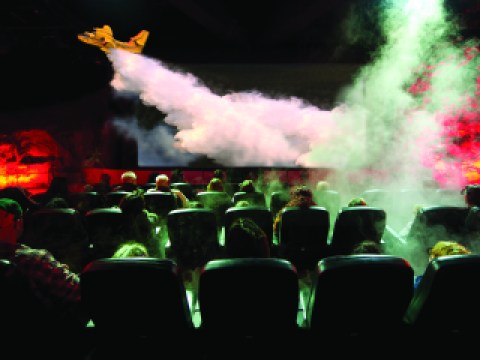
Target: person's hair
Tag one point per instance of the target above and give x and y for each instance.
(242, 203)
(12, 207)
(358, 201)
(131, 249)
(162, 181)
(322, 185)
(246, 239)
(215, 184)
(57, 203)
(367, 247)
(129, 177)
(247, 186)
(472, 194)
(301, 196)
(447, 247)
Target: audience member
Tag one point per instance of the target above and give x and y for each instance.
(128, 182)
(162, 183)
(57, 203)
(242, 203)
(247, 186)
(131, 249)
(177, 176)
(103, 186)
(322, 185)
(368, 247)
(357, 201)
(471, 195)
(22, 196)
(54, 285)
(141, 224)
(58, 188)
(246, 240)
(472, 201)
(219, 174)
(300, 196)
(444, 248)
(215, 184)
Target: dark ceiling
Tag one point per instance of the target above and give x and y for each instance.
(39, 46)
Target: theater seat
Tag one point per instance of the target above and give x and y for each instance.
(446, 299)
(354, 225)
(259, 214)
(303, 235)
(33, 328)
(434, 223)
(360, 295)
(139, 307)
(113, 198)
(254, 198)
(161, 203)
(193, 237)
(248, 297)
(106, 231)
(217, 201)
(62, 232)
(135, 297)
(278, 199)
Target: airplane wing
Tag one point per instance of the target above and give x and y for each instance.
(103, 38)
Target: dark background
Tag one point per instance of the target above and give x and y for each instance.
(54, 82)
(39, 47)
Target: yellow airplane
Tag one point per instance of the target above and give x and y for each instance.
(103, 38)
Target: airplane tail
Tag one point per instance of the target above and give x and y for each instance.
(107, 29)
(140, 39)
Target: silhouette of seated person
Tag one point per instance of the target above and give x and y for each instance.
(56, 289)
(471, 195)
(367, 247)
(131, 249)
(177, 176)
(357, 201)
(128, 182)
(22, 196)
(141, 224)
(215, 184)
(62, 233)
(162, 184)
(247, 191)
(58, 188)
(300, 196)
(246, 240)
(443, 248)
(103, 186)
(57, 203)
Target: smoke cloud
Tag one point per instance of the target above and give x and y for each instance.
(380, 123)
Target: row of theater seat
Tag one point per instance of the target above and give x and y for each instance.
(304, 234)
(364, 296)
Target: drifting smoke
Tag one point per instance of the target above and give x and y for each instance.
(380, 123)
(236, 129)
